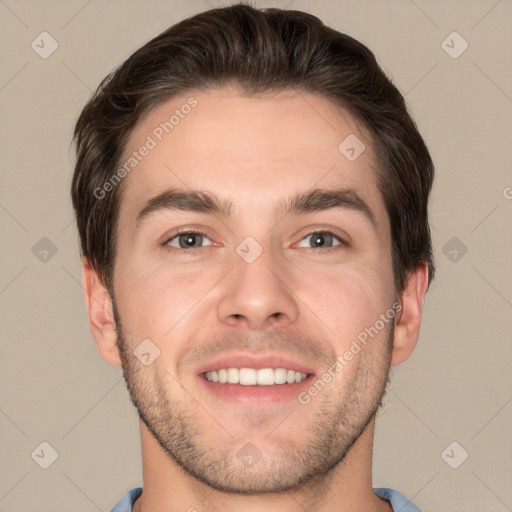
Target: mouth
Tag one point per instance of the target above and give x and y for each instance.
(248, 380)
(253, 377)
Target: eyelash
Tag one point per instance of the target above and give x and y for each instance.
(187, 231)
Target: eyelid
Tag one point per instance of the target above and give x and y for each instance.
(182, 231)
(341, 236)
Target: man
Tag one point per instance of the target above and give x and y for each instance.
(251, 196)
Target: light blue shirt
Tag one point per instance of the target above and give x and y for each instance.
(399, 502)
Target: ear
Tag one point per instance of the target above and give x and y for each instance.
(101, 317)
(408, 318)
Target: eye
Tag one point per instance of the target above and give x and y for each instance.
(324, 240)
(191, 239)
(186, 240)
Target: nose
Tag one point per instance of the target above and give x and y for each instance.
(259, 294)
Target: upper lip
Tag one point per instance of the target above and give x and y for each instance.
(247, 360)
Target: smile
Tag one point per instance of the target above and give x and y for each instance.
(253, 377)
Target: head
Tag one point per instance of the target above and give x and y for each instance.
(238, 111)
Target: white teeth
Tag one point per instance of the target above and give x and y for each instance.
(252, 377)
(233, 375)
(247, 377)
(265, 377)
(280, 376)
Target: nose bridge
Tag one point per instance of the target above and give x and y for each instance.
(256, 291)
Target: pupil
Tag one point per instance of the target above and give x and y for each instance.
(189, 239)
(319, 237)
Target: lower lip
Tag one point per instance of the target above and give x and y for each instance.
(254, 395)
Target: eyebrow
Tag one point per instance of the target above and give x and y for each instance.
(306, 202)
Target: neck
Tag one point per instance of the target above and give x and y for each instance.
(346, 487)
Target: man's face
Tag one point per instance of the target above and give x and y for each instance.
(256, 289)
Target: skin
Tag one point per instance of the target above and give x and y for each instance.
(291, 300)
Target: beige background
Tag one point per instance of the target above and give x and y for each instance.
(457, 386)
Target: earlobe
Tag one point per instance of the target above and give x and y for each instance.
(408, 319)
(100, 311)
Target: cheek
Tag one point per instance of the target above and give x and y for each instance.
(346, 300)
(156, 299)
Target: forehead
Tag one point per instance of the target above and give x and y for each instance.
(255, 149)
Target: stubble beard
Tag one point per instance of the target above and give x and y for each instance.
(283, 465)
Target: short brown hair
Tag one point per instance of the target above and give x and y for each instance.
(260, 50)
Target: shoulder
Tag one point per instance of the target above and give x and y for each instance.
(126, 502)
(398, 501)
